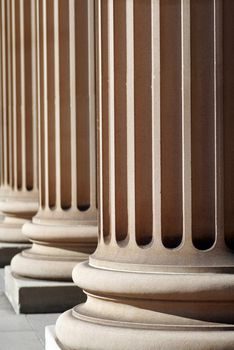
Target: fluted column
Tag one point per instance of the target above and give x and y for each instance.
(162, 275)
(18, 186)
(64, 231)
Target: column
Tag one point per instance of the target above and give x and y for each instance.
(162, 275)
(64, 230)
(18, 183)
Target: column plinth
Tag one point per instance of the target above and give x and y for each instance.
(64, 230)
(162, 275)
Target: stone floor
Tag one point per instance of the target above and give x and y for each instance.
(21, 332)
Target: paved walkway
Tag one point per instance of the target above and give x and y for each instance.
(21, 332)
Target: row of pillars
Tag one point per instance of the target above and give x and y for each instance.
(48, 171)
(117, 132)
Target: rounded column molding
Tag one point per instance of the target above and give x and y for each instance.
(162, 276)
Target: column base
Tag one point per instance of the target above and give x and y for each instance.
(44, 267)
(36, 296)
(9, 250)
(77, 335)
(153, 311)
(16, 213)
(56, 250)
(51, 342)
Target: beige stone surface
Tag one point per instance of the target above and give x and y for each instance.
(162, 275)
(159, 76)
(30, 296)
(64, 230)
(18, 132)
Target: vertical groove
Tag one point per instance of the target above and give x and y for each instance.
(41, 101)
(9, 77)
(5, 89)
(203, 123)
(105, 121)
(72, 65)
(186, 120)
(156, 120)
(23, 109)
(57, 103)
(50, 105)
(64, 133)
(120, 120)
(14, 96)
(18, 154)
(44, 121)
(130, 121)
(28, 95)
(111, 112)
(41, 182)
(91, 98)
(143, 120)
(98, 27)
(171, 122)
(33, 20)
(82, 101)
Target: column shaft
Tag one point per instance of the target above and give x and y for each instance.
(175, 208)
(19, 188)
(64, 229)
(164, 261)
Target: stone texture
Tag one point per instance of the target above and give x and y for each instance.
(64, 230)
(18, 136)
(162, 276)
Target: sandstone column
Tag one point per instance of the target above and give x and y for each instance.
(64, 231)
(18, 190)
(162, 275)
